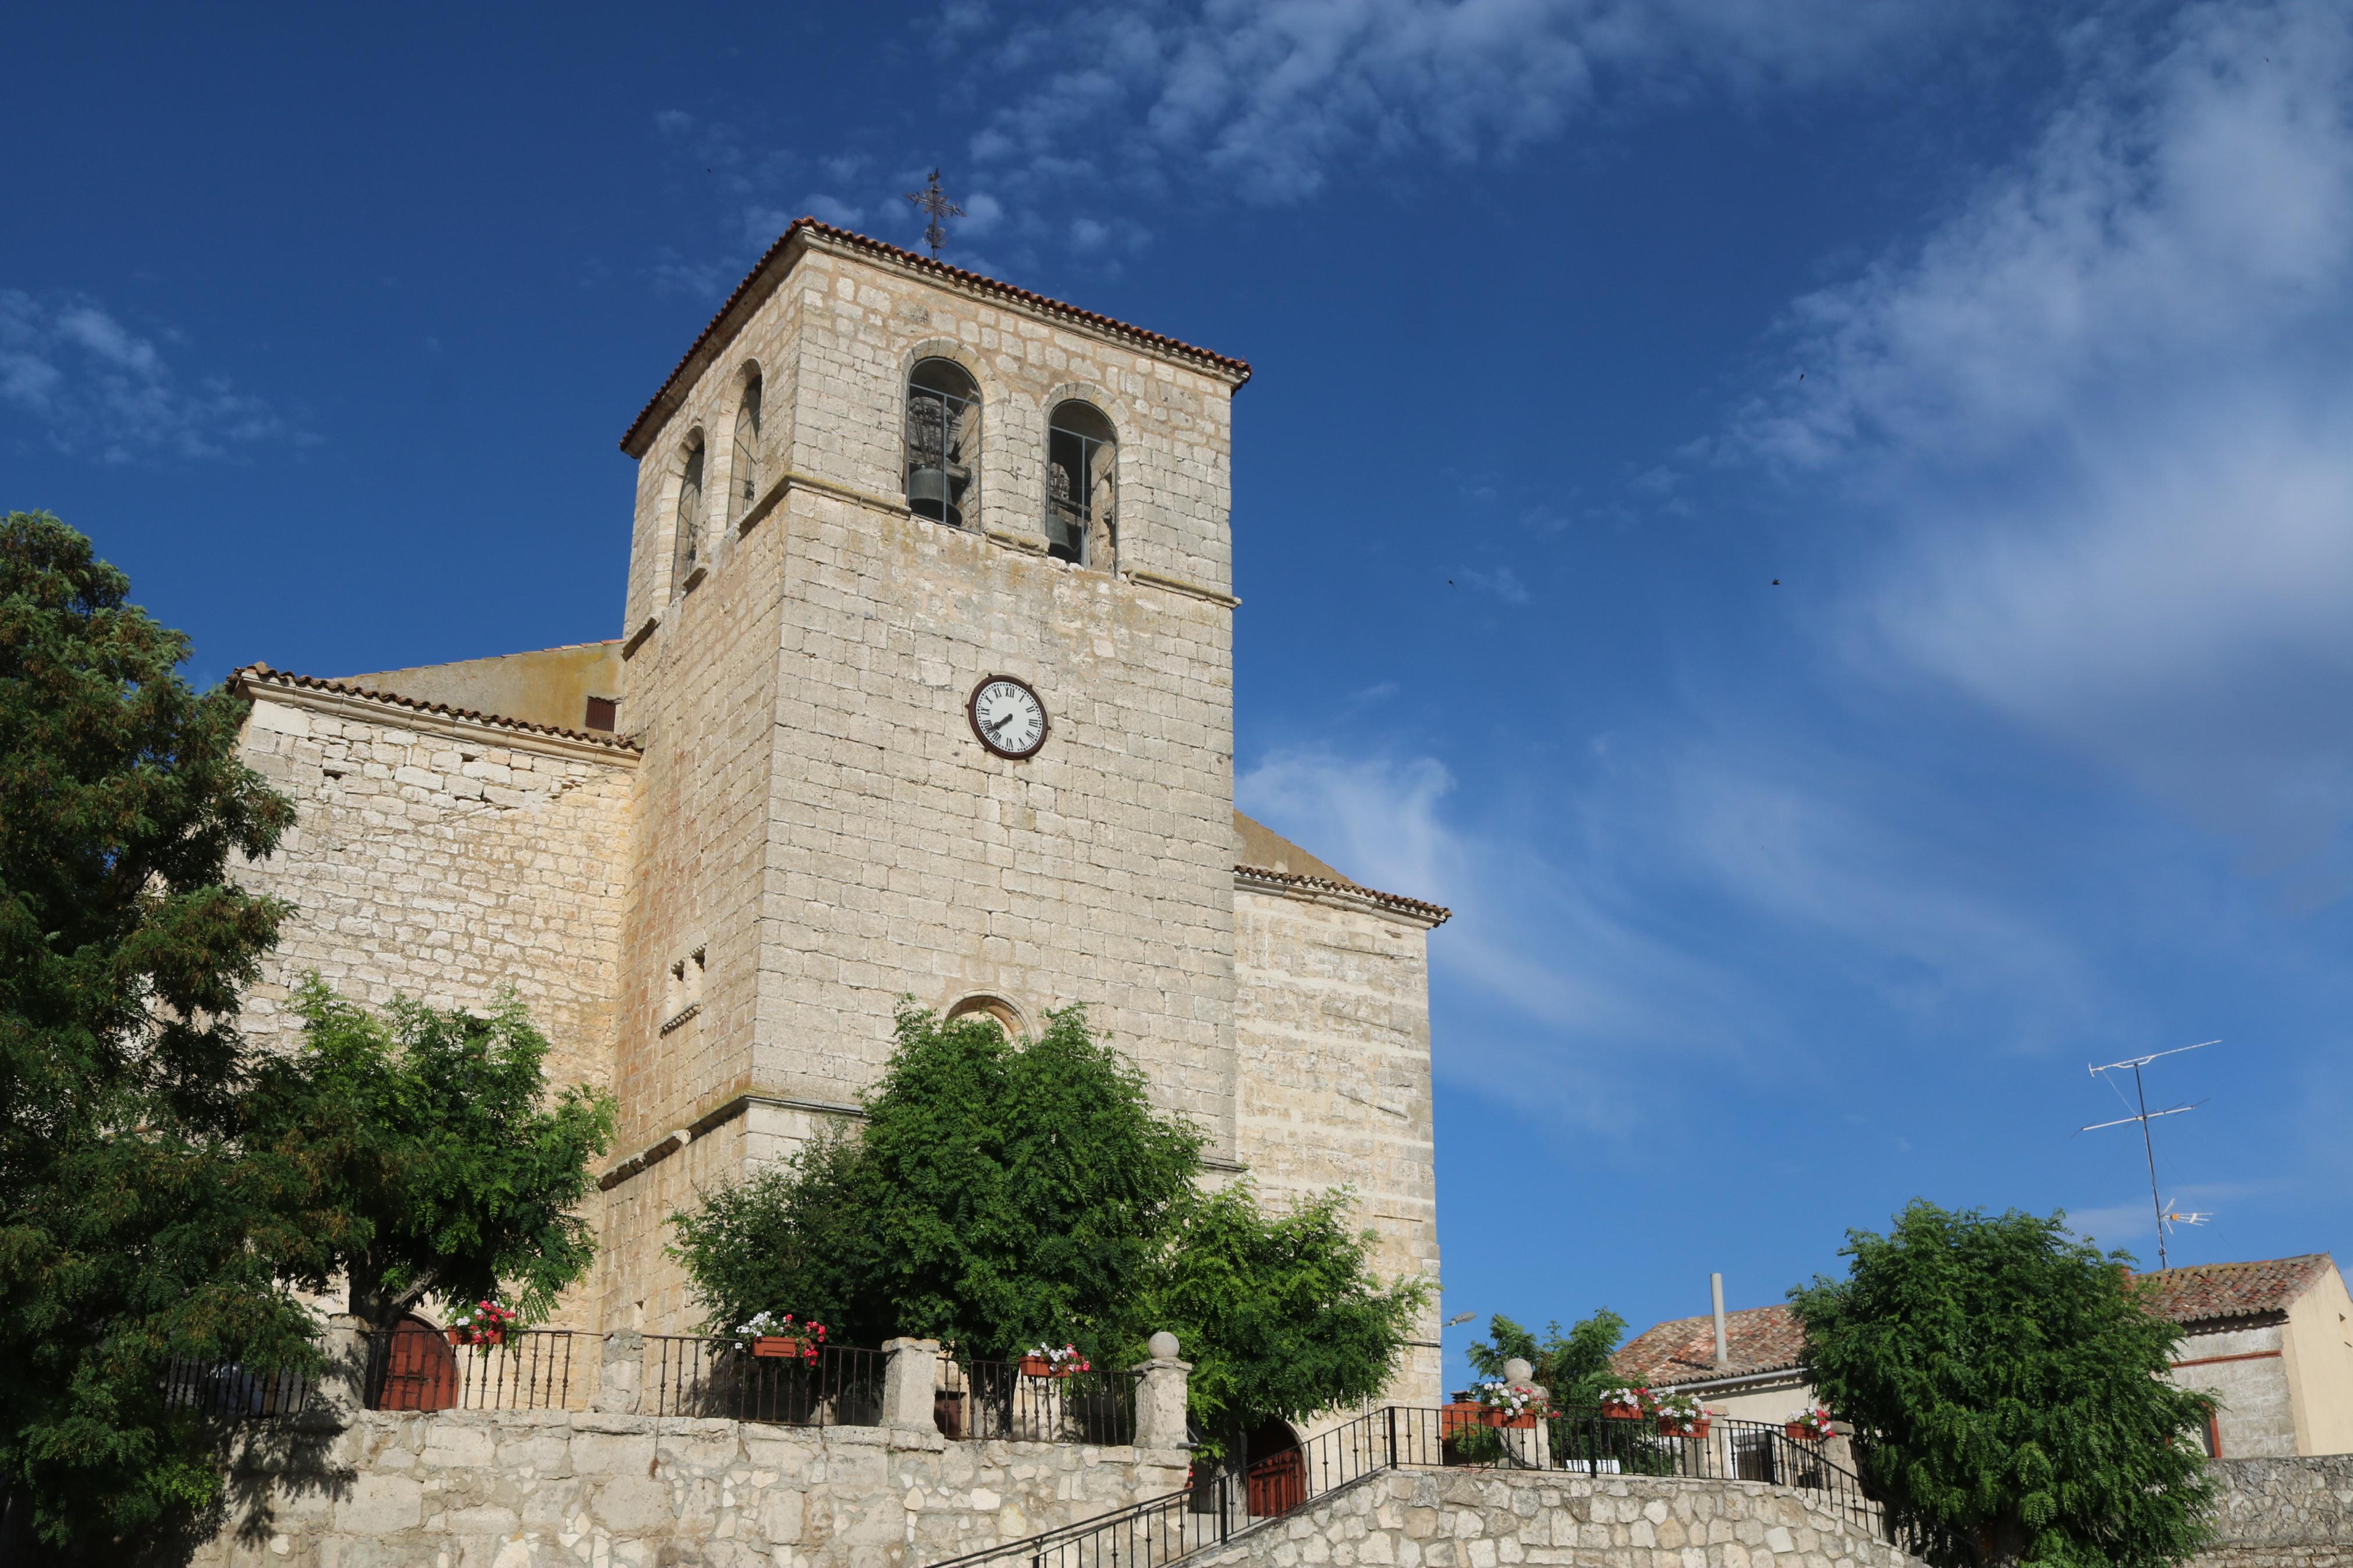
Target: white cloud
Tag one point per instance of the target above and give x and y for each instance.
(93, 384)
(2105, 403)
(1268, 96)
(1502, 582)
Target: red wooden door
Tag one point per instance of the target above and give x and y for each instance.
(1277, 1481)
(420, 1371)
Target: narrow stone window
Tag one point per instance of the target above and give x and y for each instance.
(1082, 472)
(690, 518)
(745, 474)
(943, 444)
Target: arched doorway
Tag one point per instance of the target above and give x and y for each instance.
(1276, 1481)
(412, 1368)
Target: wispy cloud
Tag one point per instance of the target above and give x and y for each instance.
(1502, 582)
(1269, 96)
(2103, 406)
(1562, 921)
(91, 383)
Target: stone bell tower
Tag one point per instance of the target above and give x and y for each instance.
(930, 658)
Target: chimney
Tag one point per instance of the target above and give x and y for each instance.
(1723, 1349)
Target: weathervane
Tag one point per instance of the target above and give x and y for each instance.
(934, 203)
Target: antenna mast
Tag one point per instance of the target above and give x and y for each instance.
(2145, 1116)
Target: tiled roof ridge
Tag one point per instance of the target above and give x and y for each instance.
(2227, 1292)
(922, 264)
(1658, 1352)
(1325, 884)
(259, 672)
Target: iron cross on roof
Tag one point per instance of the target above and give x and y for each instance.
(934, 203)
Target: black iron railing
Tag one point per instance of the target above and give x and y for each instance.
(228, 1391)
(995, 1399)
(409, 1368)
(841, 1386)
(1220, 1505)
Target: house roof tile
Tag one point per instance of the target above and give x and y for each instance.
(261, 676)
(2218, 1292)
(1683, 1349)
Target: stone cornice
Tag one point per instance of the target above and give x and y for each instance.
(1341, 895)
(337, 700)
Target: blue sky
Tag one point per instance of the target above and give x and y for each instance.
(1822, 529)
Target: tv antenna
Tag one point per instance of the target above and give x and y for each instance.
(2148, 1144)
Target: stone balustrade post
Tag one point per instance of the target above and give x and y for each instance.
(910, 1380)
(1160, 1397)
(621, 1374)
(342, 1388)
(1531, 1445)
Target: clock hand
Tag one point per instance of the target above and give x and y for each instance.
(1003, 720)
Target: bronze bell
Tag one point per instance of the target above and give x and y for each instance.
(928, 496)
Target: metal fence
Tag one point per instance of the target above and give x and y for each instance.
(995, 1399)
(1218, 1505)
(690, 1376)
(232, 1392)
(409, 1368)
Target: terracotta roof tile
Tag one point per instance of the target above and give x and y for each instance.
(1436, 914)
(1683, 1349)
(261, 676)
(647, 416)
(2210, 1292)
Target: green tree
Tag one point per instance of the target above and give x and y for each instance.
(132, 1229)
(428, 1135)
(1281, 1314)
(1000, 1196)
(2008, 1389)
(997, 1196)
(1574, 1367)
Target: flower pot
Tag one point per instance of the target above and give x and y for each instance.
(1039, 1366)
(479, 1339)
(773, 1345)
(1671, 1426)
(1621, 1413)
(1797, 1431)
(1525, 1421)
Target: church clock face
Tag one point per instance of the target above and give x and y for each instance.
(1008, 717)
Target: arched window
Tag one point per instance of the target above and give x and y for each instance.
(744, 473)
(1081, 470)
(690, 516)
(944, 443)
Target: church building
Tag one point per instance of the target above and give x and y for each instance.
(924, 687)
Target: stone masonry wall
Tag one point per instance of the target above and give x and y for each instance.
(1332, 1017)
(1485, 1518)
(443, 861)
(2243, 1370)
(542, 1488)
(2283, 1513)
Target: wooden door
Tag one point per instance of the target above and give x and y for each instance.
(418, 1371)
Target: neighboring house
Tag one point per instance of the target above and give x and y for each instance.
(1761, 1378)
(2272, 1341)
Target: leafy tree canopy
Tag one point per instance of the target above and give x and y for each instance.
(1574, 1367)
(2009, 1388)
(1000, 1197)
(427, 1133)
(1280, 1314)
(163, 1192)
(132, 1229)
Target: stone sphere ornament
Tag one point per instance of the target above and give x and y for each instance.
(1163, 1345)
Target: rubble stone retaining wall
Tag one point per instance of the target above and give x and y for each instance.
(1480, 1519)
(545, 1487)
(2283, 1513)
